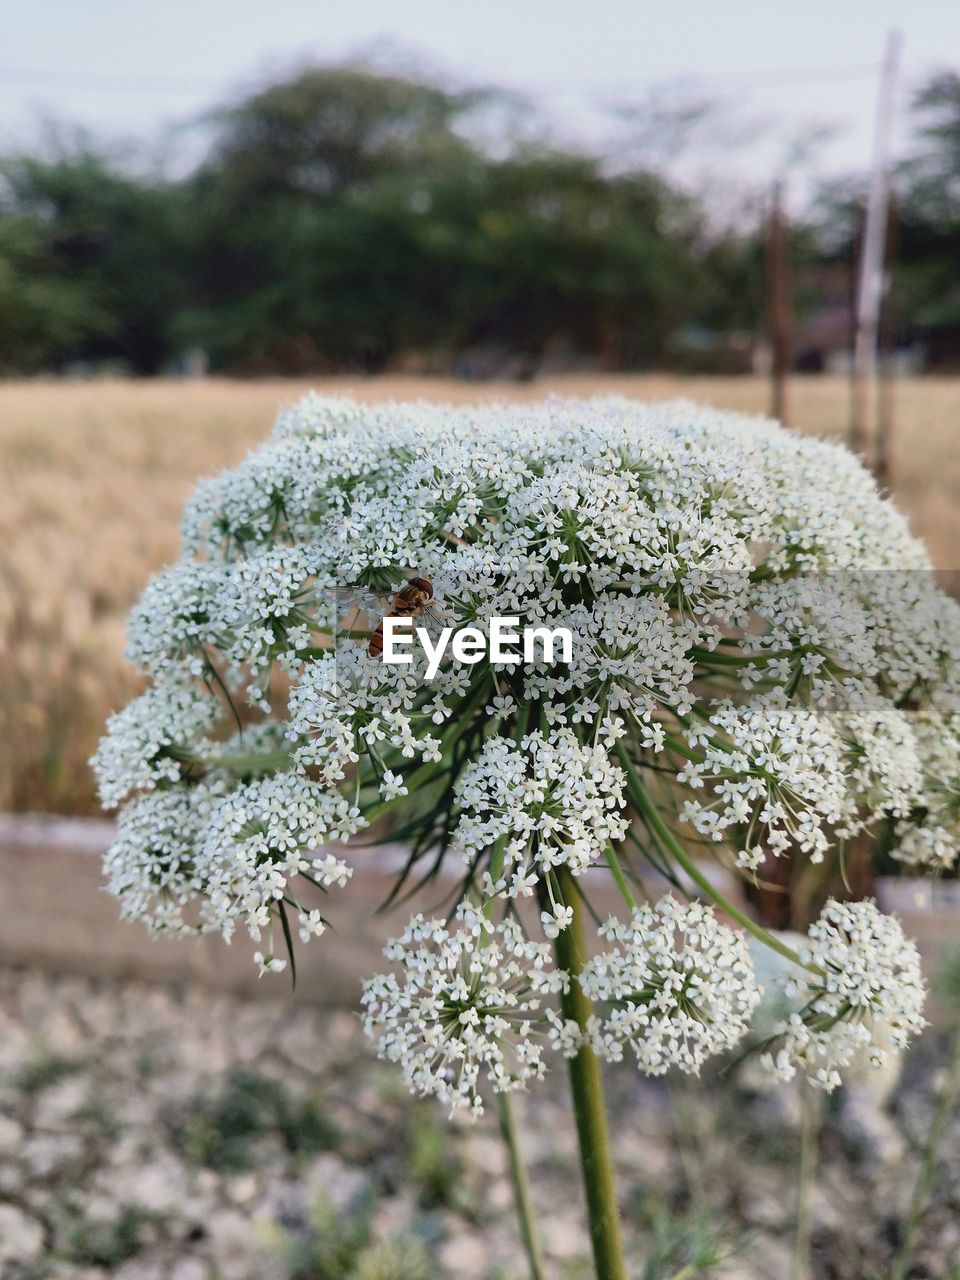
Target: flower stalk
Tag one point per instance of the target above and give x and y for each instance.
(511, 1136)
(586, 1087)
(809, 1129)
(521, 1187)
(949, 1091)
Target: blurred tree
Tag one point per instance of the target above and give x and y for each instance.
(346, 217)
(929, 235)
(557, 251)
(104, 251)
(927, 264)
(308, 238)
(933, 171)
(330, 130)
(349, 218)
(43, 315)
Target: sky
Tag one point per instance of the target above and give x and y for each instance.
(133, 71)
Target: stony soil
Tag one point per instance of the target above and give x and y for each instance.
(157, 1134)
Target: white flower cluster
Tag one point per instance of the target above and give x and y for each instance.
(173, 622)
(350, 703)
(774, 770)
(860, 996)
(679, 987)
(147, 743)
(270, 604)
(258, 611)
(554, 800)
(633, 658)
(208, 858)
(152, 865)
(759, 655)
(466, 1008)
(883, 759)
(932, 841)
(816, 636)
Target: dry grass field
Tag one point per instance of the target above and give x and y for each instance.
(94, 477)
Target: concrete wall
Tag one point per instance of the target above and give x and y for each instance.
(55, 913)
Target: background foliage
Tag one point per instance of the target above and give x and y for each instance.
(351, 218)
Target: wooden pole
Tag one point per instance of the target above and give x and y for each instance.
(858, 215)
(888, 350)
(871, 257)
(778, 304)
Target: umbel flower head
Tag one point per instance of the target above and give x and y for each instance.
(860, 994)
(676, 987)
(557, 802)
(209, 858)
(932, 839)
(465, 1008)
(773, 770)
(761, 664)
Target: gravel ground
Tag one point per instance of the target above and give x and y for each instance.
(150, 1133)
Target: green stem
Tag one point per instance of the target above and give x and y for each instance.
(521, 1187)
(429, 770)
(508, 1129)
(421, 775)
(687, 1142)
(921, 1189)
(686, 1273)
(586, 1087)
(810, 1110)
(640, 797)
(249, 762)
(706, 656)
(619, 879)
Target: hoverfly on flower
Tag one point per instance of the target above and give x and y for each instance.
(409, 602)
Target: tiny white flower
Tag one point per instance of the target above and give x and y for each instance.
(392, 785)
(268, 963)
(556, 920)
(311, 925)
(566, 1037)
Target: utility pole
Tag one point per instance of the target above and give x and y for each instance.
(888, 349)
(778, 303)
(870, 283)
(858, 215)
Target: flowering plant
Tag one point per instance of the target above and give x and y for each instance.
(762, 667)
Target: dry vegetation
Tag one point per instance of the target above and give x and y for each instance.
(95, 476)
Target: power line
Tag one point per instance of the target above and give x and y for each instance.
(110, 83)
(798, 76)
(787, 78)
(145, 85)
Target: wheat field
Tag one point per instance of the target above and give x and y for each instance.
(94, 477)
